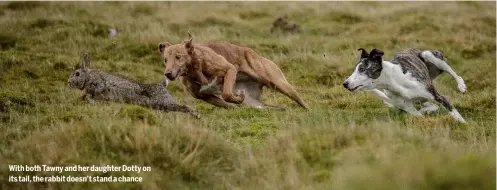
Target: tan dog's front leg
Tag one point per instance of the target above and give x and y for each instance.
(229, 82)
(201, 77)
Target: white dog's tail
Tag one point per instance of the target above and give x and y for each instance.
(444, 66)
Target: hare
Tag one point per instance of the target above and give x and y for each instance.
(100, 85)
(285, 26)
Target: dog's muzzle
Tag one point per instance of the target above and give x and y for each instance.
(347, 86)
(170, 76)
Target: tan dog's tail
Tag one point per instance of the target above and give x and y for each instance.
(273, 77)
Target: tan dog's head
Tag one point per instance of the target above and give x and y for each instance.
(176, 57)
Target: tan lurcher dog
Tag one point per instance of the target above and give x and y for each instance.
(226, 60)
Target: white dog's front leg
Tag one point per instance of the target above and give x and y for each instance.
(404, 104)
(428, 107)
(410, 108)
(386, 100)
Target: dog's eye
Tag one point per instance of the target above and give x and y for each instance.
(363, 67)
(165, 60)
(77, 74)
(178, 57)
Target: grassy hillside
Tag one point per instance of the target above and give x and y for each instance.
(348, 140)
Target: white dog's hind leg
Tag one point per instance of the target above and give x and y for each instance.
(428, 107)
(456, 115)
(441, 64)
(445, 103)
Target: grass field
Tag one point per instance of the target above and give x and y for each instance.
(348, 140)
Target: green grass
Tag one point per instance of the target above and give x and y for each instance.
(348, 140)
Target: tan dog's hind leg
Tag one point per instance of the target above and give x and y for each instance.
(229, 83)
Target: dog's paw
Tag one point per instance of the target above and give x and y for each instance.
(236, 98)
(461, 85)
(427, 110)
(240, 94)
(240, 98)
(455, 114)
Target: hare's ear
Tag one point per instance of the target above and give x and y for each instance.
(86, 61)
(188, 44)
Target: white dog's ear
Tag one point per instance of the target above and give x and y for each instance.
(163, 46)
(364, 53)
(376, 54)
(188, 44)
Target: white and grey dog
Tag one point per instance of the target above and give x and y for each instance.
(404, 81)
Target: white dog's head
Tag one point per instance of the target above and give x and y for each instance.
(366, 71)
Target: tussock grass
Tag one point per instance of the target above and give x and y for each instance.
(348, 140)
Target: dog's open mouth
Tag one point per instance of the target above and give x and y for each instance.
(355, 88)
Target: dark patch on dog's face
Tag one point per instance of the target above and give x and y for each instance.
(370, 64)
(370, 68)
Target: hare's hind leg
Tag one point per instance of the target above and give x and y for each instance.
(180, 108)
